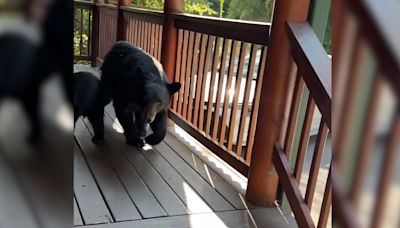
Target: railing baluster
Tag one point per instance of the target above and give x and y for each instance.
(294, 114)
(234, 109)
(208, 56)
(219, 88)
(182, 72)
(177, 67)
(304, 139)
(212, 83)
(316, 162)
(187, 75)
(326, 203)
(193, 84)
(146, 36)
(149, 38)
(256, 103)
(246, 99)
(135, 29)
(199, 84)
(160, 41)
(156, 42)
(227, 97)
(388, 166)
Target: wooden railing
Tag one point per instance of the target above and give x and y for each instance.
(313, 79)
(372, 69)
(144, 29)
(221, 70)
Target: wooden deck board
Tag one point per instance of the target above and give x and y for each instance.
(141, 195)
(118, 200)
(77, 215)
(93, 208)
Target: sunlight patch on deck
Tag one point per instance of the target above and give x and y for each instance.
(238, 181)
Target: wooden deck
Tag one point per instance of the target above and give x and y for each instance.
(169, 185)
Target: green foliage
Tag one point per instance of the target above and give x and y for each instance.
(200, 7)
(81, 20)
(255, 10)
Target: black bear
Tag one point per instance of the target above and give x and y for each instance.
(140, 91)
(87, 102)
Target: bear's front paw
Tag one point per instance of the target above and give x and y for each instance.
(137, 142)
(97, 140)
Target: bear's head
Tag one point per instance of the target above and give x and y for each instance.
(155, 98)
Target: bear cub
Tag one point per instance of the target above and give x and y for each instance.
(138, 86)
(87, 102)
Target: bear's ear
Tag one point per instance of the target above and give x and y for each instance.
(174, 87)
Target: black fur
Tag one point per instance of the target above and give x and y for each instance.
(87, 102)
(139, 88)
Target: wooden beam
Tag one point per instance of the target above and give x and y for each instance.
(263, 180)
(170, 36)
(95, 34)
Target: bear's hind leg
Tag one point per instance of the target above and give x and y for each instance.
(97, 122)
(159, 127)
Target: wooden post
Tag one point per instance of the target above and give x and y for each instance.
(263, 180)
(122, 23)
(170, 37)
(95, 33)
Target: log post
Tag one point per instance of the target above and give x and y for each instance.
(262, 179)
(170, 36)
(122, 23)
(94, 51)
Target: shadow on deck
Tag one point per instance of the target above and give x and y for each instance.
(169, 185)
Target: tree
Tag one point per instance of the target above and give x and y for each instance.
(255, 10)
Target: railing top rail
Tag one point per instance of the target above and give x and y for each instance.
(84, 4)
(314, 65)
(247, 31)
(109, 6)
(148, 15)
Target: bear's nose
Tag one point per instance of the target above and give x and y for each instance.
(147, 120)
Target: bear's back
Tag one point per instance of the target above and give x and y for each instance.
(127, 68)
(124, 58)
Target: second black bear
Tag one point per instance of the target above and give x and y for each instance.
(87, 102)
(140, 91)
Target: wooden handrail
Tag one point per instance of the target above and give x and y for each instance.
(247, 31)
(314, 65)
(300, 209)
(108, 6)
(148, 15)
(84, 4)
